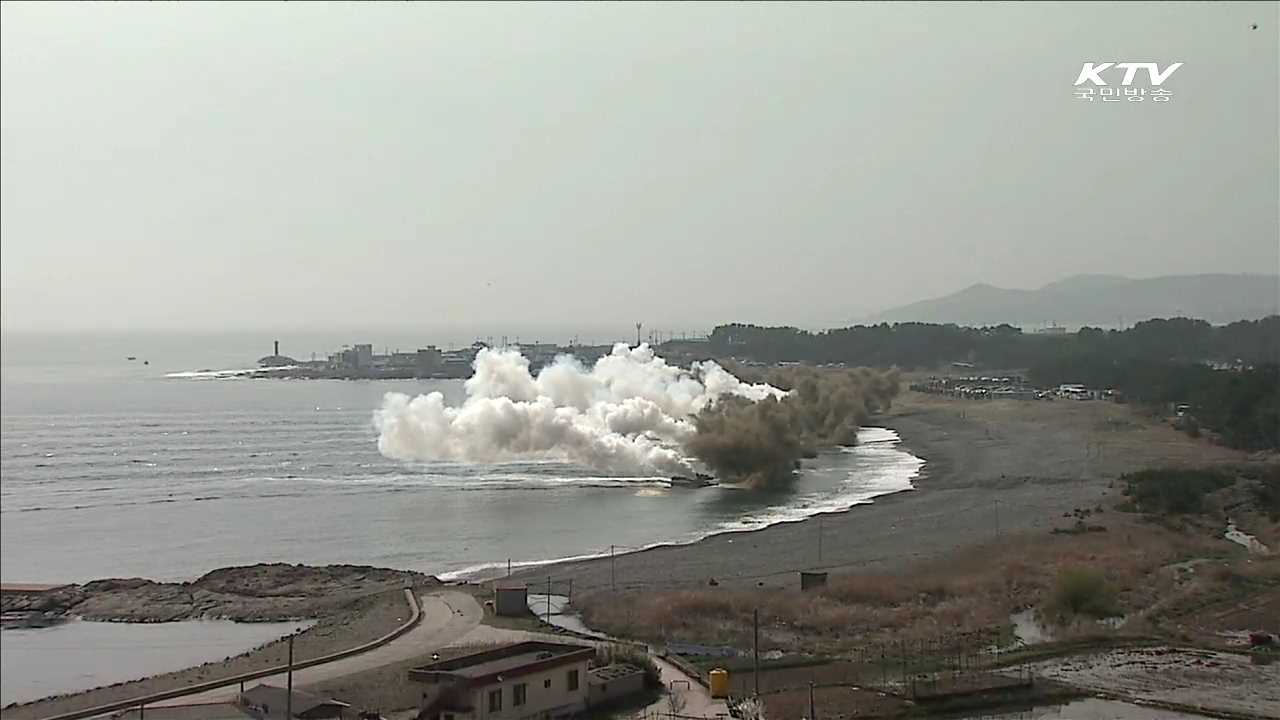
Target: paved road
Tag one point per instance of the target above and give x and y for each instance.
(446, 617)
(453, 618)
(695, 696)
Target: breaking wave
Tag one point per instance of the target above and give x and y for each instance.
(889, 470)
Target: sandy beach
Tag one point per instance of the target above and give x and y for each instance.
(991, 467)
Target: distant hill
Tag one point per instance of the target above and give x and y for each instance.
(1101, 300)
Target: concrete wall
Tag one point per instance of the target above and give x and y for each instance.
(614, 688)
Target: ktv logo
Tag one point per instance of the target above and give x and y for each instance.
(1092, 72)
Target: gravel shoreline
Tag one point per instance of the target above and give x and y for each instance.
(991, 467)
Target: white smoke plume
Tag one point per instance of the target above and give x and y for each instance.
(627, 414)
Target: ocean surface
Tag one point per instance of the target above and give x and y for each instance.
(113, 468)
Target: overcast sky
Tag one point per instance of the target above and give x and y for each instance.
(246, 165)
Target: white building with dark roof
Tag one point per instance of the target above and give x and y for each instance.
(524, 681)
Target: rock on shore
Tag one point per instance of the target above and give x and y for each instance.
(253, 593)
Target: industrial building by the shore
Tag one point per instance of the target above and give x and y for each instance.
(359, 361)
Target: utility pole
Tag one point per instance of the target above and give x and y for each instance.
(755, 650)
(812, 715)
(288, 695)
(1084, 467)
(638, 326)
(819, 540)
(508, 567)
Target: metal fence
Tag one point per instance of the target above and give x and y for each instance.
(938, 666)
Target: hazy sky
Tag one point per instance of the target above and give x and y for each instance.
(248, 165)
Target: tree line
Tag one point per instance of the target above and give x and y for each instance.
(925, 345)
(1229, 374)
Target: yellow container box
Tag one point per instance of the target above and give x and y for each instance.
(719, 681)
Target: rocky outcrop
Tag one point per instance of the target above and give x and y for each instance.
(254, 593)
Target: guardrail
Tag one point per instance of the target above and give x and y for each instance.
(414, 618)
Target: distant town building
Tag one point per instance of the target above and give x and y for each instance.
(360, 361)
(423, 361)
(362, 356)
(524, 680)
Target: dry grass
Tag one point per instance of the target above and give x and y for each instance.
(967, 590)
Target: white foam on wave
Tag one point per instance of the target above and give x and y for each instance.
(486, 482)
(480, 571)
(216, 374)
(873, 435)
(894, 472)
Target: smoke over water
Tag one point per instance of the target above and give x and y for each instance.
(629, 414)
(761, 442)
(633, 414)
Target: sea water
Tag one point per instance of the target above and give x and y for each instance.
(112, 468)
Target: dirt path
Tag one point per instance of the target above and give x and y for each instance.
(447, 616)
(1195, 678)
(694, 698)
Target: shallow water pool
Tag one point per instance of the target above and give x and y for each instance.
(79, 655)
